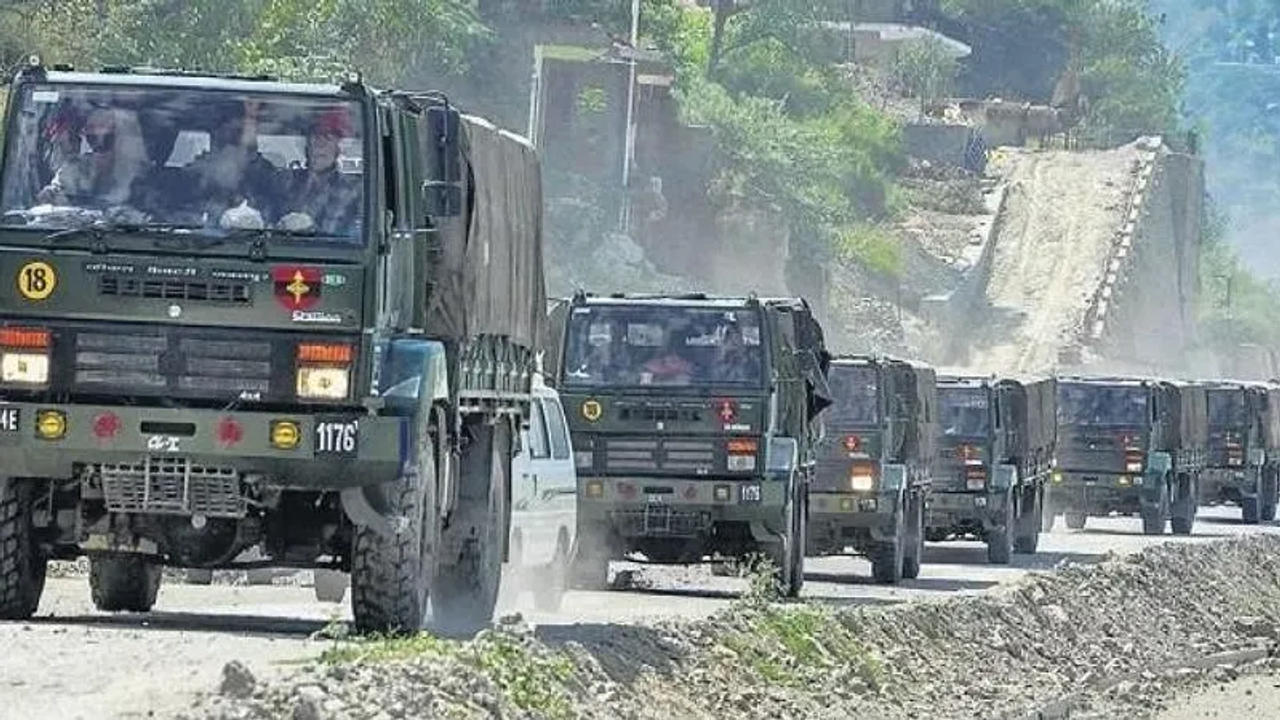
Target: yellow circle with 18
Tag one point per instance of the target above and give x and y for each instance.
(37, 280)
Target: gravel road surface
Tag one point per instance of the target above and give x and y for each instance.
(1254, 696)
(74, 662)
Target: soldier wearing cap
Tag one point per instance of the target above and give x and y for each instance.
(320, 193)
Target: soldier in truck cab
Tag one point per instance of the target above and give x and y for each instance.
(104, 176)
(320, 197)
(232, 171)
(668, 366)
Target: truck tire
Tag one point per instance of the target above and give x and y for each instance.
(1027, 539)
(1075, 520)
(468, 576)
(549, 587)
(913, 554)
(1154, 518)
(1183, 513)
(123, 583)
(1000, 538)
(798, 542)
(1267, 508)
(591, 555)
(887, 557)
(1250, 512)
(391, 576)
(22, 563)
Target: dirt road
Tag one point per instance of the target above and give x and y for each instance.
(1255, 696)
(74, 662)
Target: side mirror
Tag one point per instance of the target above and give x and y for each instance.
(782, 456)
(442, 188)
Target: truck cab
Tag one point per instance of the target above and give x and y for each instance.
(1241, 466)
(874, 471)
(240, 313)
(692, 420)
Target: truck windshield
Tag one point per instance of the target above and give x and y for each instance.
(1226, 408)
(964, 411)
(1102, 405)
(190, 158)
(663, 346)
(855, 392)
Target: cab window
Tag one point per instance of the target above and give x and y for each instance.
(555, 424)
(538, 434)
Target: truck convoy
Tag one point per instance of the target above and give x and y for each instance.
(238, 313)
(996, 444)
(873, 474)
(1244, 448)
(693, 423)
(1129, 445)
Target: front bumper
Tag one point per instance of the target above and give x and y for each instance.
(837, 520)
(1095, 493)
(964, 510)
(682, 507)
(202, 437)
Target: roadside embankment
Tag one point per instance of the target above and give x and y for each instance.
(1049, 642)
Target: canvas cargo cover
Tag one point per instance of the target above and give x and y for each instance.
(1271, 420)
(490, 279)
(1041, 416)
(1189, 416)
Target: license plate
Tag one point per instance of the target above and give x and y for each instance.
(337, 437)
(8, 419)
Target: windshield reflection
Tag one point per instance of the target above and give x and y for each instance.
(195, 159)
(964, 412)
(855, 393)
(1102, 405)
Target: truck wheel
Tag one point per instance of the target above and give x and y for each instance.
(1000, 537)
(465, 590)
(1184, 509)
(1249, 510)
(886, 557)
(1075, 520)
(589, 569)
(548, 591)
(1030, 522)
(123, 583)
(391, 576)
(1153, 518)
(914, 551)
(22, 563)
(1267, 508)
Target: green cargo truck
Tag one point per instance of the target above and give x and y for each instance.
(874, 471)
(692, 420)
(1130, 446)
(239, 313)
(1244, 448)
(995, 451)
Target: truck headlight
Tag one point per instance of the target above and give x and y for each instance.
(862, 483)
(26, 368)
(324, 370)
(329, 383)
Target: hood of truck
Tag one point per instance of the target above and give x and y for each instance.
(1100, 449)
(75, 286)
(619, 433)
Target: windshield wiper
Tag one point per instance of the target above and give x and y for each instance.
(97, 229)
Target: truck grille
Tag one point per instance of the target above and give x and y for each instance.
(197, 290)
(172, 486)
(160, 362)
(688, 456)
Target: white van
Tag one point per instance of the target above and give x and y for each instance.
(544, 516)
(544, 486)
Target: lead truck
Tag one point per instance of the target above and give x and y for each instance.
(241, 314)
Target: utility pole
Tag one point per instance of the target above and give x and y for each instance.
(629, 141)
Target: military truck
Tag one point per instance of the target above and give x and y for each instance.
(240, 312)
(1132, 446)
(995, 451)
(1244, 448)
(875, 466)
(692, 419)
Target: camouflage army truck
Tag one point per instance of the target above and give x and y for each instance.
(1131, 446)
(692, 421)
(1244, 455)
(995, 451)
(874, 468)
(240, 313)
